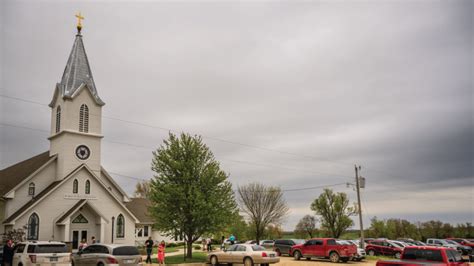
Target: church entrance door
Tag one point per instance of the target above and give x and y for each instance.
(77, 236)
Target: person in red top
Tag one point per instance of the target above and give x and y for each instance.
(161, 253)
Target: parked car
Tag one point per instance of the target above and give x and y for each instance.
(440, 243)
(428, 255)
(420, 243)
(251, 242)
(383, 247)
(243, 253)
(463, 242)
(41, 253)
(323, 248)
(360, 255)
(464, 250)
(267, 243)
(399, 244)
(105, 254)
(282, 246)
(409, 241)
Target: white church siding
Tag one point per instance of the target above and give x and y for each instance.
(42, 179)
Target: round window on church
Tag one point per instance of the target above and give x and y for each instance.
(83, 152)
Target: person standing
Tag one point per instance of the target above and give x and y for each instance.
(209, 244)
(232, 239)
(8, 253)
(149, 249)
(161, 253)
(222, 242)
(83, 244)
(204, 242)
(93, 240)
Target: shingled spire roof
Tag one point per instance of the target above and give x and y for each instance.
(78, 73)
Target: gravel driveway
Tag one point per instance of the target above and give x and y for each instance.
(289, 261)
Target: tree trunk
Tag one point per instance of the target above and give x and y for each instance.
(189, 246)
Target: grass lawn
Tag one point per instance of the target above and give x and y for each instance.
(177, 259)
(173, 249)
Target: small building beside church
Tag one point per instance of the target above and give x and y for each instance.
(65, 194)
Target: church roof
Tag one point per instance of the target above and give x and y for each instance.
(11, 176)
(78, 73)
(139, 207)
(31, 202)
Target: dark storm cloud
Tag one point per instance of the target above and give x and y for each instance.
(384, 84)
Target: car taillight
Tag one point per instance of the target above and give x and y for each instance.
(112, 260)
(33, 258)
(264, 254)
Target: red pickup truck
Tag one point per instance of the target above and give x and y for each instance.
(323, 248)
(427, 255)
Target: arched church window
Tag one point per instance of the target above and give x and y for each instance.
(58, 119)
(31, 189)
(84, 119)
(88, 187)
(120, 226)
(75, 186)
(33, 227)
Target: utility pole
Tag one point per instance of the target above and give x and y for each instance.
(357, 169)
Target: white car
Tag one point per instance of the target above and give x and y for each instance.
(41, 253)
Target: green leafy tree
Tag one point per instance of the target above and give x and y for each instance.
(334, 211)
(190, 195)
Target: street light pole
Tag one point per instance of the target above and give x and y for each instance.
(357, 169)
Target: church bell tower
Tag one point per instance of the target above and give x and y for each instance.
(76, 114)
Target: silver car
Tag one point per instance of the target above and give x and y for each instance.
(247, 254)
(106, 254)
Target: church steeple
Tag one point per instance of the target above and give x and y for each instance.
(76, 117)
(78, 72)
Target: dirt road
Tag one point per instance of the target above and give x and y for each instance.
(289, 261)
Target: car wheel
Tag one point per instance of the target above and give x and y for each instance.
(248, 262)
(297, 255)
(334, 257)
(371, 252)
(308, 258)
(214, 260)
(397, 255)
(100, 264)
(229, 264)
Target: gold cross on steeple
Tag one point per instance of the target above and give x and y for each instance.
(79, 18)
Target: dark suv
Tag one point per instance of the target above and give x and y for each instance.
(282, 246)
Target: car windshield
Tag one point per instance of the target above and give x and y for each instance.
(257, 248)
(444, 242)
(343, 242)
(452, 242)
(60, 248)
(125, 251)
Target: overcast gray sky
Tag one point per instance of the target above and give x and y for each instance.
(311, 88)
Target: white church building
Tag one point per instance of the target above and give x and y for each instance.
(65, 194)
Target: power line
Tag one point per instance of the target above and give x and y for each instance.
(203, 136)
(148, 148)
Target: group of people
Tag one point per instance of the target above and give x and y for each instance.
(84, 244)
(149, 244)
